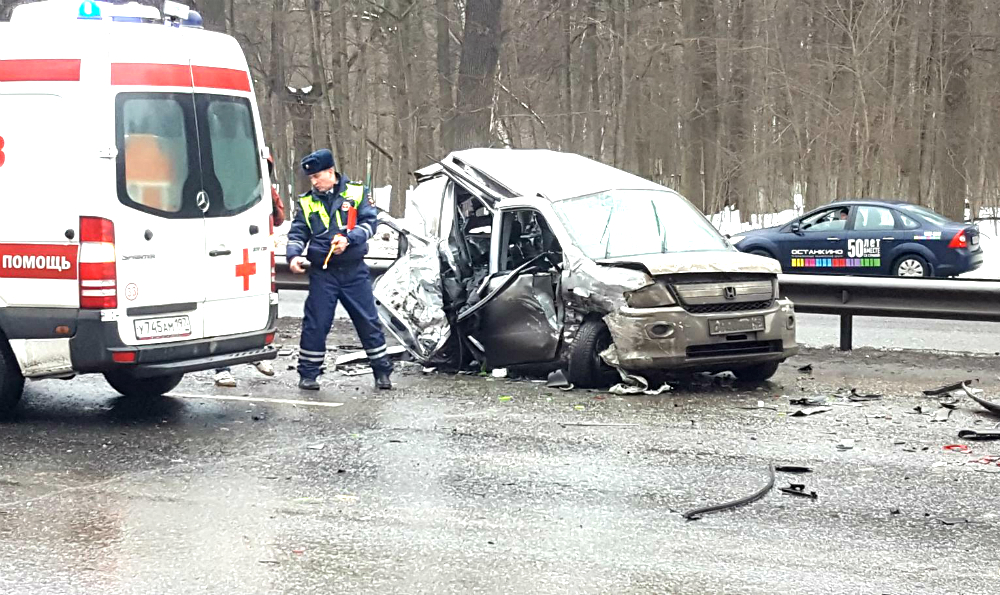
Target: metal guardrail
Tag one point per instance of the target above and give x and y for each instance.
(848, 297)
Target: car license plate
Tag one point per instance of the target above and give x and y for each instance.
(162, 328)
(975, 240)
(725, 326)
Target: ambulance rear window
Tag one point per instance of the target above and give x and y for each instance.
(155, 151)
(235, 159)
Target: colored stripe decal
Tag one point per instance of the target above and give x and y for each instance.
(151, 75)
(16, 71)
(221, 78)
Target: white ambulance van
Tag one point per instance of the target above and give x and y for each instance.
(134, 199)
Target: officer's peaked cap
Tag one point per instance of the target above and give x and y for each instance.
(317, 161)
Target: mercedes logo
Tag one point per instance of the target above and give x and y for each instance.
(202, 201)
(730, 293)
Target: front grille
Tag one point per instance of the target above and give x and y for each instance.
(722, 349)
(728, 307)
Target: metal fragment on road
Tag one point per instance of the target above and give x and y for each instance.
(792, 469)
(846, 444)
(974, 435)
(693, 515)
(798, 489)
(941, 415)
(987, 405)
(811, 411)
(948, 388)
(557, 379)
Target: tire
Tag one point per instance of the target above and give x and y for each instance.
(11, 380)
(910, 265)
(762, 252)
(756, 372)
(142, 387)
(586, 368)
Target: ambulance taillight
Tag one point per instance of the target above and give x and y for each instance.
(98, 275)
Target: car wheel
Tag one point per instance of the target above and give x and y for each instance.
(756, 372)
(133, 387)
(762, 252)
(586, 368)
(911, 265)
(11, 380)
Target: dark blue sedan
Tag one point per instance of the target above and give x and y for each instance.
(869, 238)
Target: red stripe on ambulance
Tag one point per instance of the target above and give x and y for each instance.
(151, 75)
(221, 78)
(179, 75)
(19, 71)
(38, 261)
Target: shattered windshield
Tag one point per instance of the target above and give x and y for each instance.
(619, 223)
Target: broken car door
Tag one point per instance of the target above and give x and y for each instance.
(520, 320)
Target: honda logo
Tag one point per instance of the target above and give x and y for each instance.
(730, 293)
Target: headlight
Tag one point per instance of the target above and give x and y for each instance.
(650, 296)
(736, 239)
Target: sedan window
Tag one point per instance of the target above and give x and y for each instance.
(834, 219)
(871, 218)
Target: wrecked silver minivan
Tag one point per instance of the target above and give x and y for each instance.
(551, 260)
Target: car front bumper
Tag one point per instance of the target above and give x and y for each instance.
(671, 338)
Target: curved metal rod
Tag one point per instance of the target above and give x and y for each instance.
(693, 515)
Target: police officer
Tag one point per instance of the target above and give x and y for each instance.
(335, 254)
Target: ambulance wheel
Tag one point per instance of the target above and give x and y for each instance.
(11, 380)
(133, 387)
(756, 372)
(586, 368)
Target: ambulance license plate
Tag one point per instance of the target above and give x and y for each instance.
(725, 326)
(162, 328)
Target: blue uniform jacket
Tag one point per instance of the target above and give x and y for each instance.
(315, 241)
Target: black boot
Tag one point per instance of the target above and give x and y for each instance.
(382, 381)
(308, 384)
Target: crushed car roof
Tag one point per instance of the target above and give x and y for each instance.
(550, 174)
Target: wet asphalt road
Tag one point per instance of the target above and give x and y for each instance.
(446, 485)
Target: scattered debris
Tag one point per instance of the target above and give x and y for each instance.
(558, 379)
(792, 469)
(974, 435)
(499, 372)
(941, 415)
(918, 410)
(950, 404)
(895, 510)
(959, 448)
(846, 444)
(355, 370)
(597, 425)
(953, 521)
(991, 407)
(428, 370)
(360, 356)
(285, 352)
(808, 368)
(856, 397)
(275, 562)
(798, 489)
(636, 385)
(948, 388)
(319, 446)
(808, 401)
(693, 515)
(505, 398)
(811, 411)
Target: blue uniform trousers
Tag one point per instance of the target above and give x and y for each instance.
(351, 285)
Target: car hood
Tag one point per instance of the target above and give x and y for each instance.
(716, 261)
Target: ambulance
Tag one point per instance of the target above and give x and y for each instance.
(135, 237)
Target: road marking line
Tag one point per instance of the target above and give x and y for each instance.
(254, 400)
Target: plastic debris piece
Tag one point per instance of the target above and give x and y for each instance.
(693, 515)
(991, 407)
(792, 469)
(846, 444)
(285, 352)
(579, 407)
(895, 510)
(959, 448)
(798, 489)
(428, 370)
(941, 415)
(948, 388)
(499, 372)
(808, 401)
(558, 379)
(505, 398)
(811, 411)
(857, 397)
(974, 435)
(808, 368)
(953, 521)
(319, 446)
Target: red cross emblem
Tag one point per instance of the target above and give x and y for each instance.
(246, 269)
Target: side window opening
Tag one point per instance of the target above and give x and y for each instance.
(526, 236)
(232, 150)
(834, 219)
(155, 159)
(874, 219)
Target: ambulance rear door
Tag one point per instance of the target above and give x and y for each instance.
(160, 220)
(236, 270)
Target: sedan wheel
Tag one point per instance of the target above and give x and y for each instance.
(912, 266)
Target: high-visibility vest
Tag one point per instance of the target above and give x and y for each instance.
(353, 193)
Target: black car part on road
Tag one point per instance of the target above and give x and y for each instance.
(693, 515)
